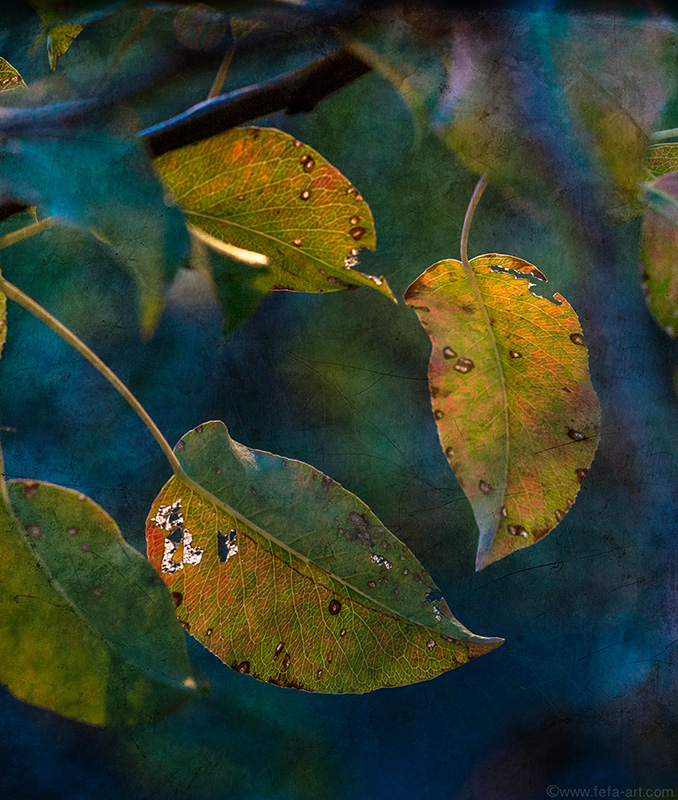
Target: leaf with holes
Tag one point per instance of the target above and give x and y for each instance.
(284, 574)
(517, 416)
(87, 628)
(659, 250)
(262, 190)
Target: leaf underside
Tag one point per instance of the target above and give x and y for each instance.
(517, 416)
(663, 158)
(262, 190)
(314, 593)
(9, 77)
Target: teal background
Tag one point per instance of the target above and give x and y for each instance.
(582, 694)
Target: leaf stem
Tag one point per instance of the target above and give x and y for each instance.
(4, 493)
(657, 136)
(28, 230)
(218, 84)
(15, 294)
(468, 218)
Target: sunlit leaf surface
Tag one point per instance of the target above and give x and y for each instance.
(86, 625)
(314, 592)
(517, 416)
(262, 190)
(9, 77)
(59, 39)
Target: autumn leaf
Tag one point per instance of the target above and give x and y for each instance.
(86, 625)
(263, 191)
(517, 416)
(302, 585)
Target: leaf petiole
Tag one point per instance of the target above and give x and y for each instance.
(27, 231)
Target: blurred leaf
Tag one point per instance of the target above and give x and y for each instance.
(517, 416)
(659, 250)
(58, 13)
(59, 39)
(87, 627)
(240, 288)
(261, 190)
(9, 77)
(314, 592)
(533, 99)
(663, 158)
(94, 178)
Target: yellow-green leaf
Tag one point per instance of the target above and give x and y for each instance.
(517, 416)
(9, 77)
(59, 39)
(663, 158)
(302, 585)
(264, 191)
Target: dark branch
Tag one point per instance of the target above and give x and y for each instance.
(293, 92)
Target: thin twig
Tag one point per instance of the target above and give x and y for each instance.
(29, 230)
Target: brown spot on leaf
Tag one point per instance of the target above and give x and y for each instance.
(286, 661)
(484, 487)
(342, 632)
(278, 650)
(464, 365)
(560, 515)
(448, 352)
(577, 338)
(177, 598)
(185, 625)
(354, 220)
(305, 195)
(35, 531)
(334, 607)
(438, 414)
(430, 644)
(243, 667)
(73, 530)
(581, 474)
(357, 232)
(371, 584)
(515, 354)
(517, 530)
(31, 489)
(576, 436)
(86, 548)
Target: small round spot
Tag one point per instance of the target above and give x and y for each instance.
(406, 572)
(180, 445)
(330, 656)
(357, 232)
(86, 548)
(177, 599)
(297, 143)
(354, 220)
(73, 530)
(217, 470)
(34, 530)
(504, 512)
(31, 489)
(449, 452)
(342, 632)
(199, 428)
(438, 414)
(517, 530)
(334, 607)
(308, 164)
(430, 644)
(448, 352)
(577, 338)
(581, 474)
(296, 242)
(484, 487)
(515, 354)
(287, 661)
(305, 195)
(241, 197)
(576, 436)
(278, 650)
(243, 668)
(185, 625)
(371, 584)
(318, 674)
(208, 632)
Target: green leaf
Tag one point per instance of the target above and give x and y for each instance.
(663, 158)
(264, 191)
(240, 288)
(302, 586)
(659, 250)
(102, 181)
(9, 77)
(59, 39)
(517, 416)
(87, 628)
